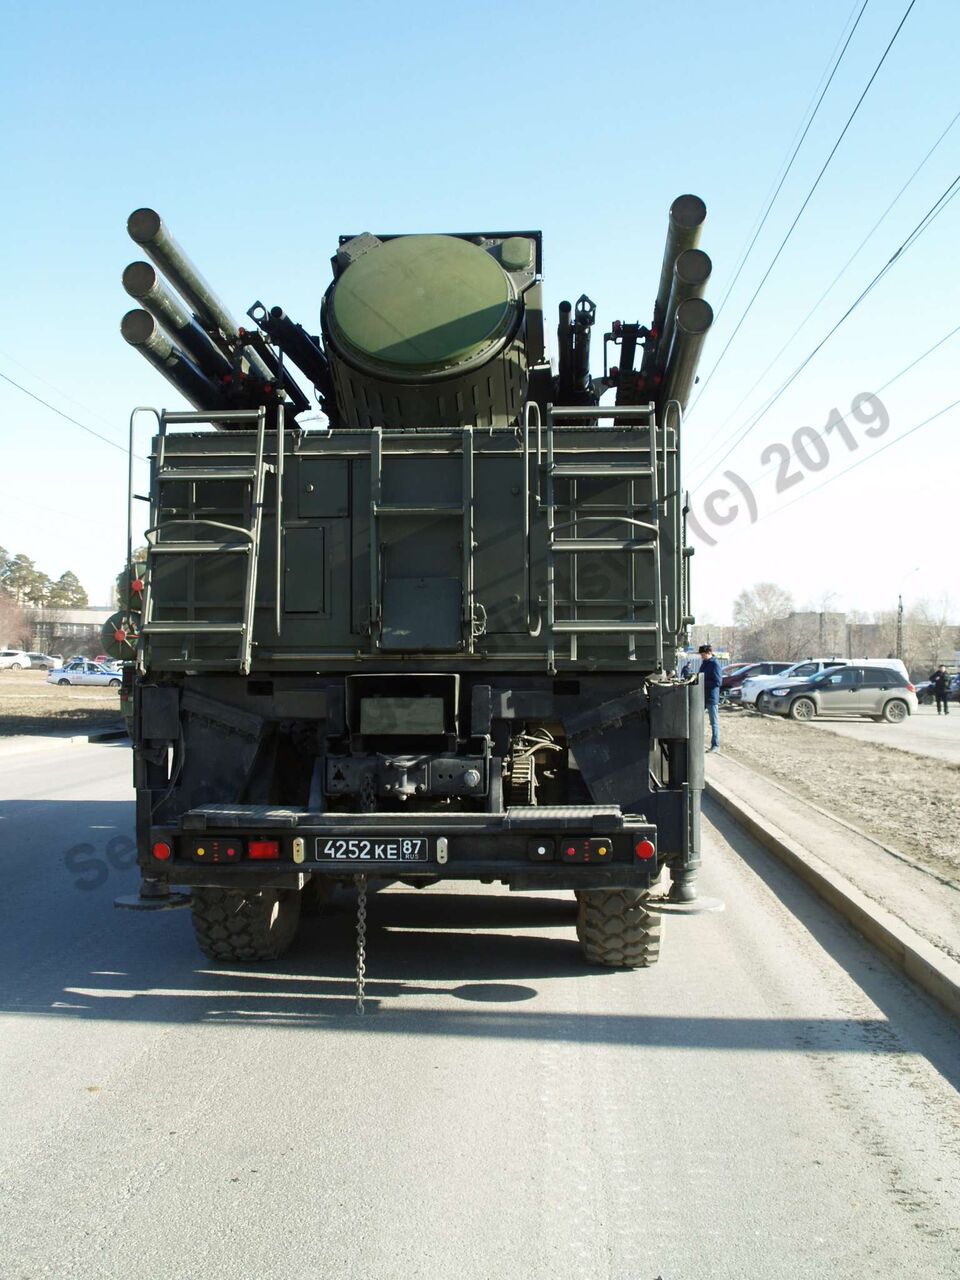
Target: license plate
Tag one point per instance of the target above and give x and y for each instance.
(349, 849)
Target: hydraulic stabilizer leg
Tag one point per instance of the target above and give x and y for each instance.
(154, 895)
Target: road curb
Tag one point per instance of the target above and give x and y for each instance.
(924, 964)
(31, 746)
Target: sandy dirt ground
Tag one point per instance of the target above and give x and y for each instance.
(903, 800)
(29, 705)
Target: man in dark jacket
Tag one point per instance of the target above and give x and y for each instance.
(712, 676)
(941, 689)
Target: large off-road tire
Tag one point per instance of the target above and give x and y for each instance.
(802, 709)
(896, 711)
(616, 929)
(237, 926)
(316, 894)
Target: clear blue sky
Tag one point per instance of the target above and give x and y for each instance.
(261, 133)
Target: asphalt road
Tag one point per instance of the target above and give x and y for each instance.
(769, 1101)
(922, 734)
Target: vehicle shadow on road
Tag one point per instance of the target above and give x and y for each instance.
(906, 1008)
(439, 962)
(125, 967)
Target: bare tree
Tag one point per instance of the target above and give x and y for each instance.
(935, 634)
(755, 606)
(762, 614)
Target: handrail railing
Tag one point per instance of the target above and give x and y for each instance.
(531, 411)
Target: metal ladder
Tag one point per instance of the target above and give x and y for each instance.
(464, 509)
(564, 538)
(232, 540)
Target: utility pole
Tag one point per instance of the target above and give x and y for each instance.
(916, 569)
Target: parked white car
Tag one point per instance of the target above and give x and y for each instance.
(14, 660)
(803, 672)
(84, 673)
(753, 686)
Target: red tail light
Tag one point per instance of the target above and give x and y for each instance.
(162, 851)
(263, 849)
(645, 849)
(911, 688)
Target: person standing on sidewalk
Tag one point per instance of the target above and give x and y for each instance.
(941, 689)
(712, 677)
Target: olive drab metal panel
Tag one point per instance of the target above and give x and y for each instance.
(553, 546)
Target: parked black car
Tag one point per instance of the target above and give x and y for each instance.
(925, 691)
(730, 684)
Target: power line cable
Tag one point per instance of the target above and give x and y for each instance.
(807, 199)
(56, 511)
(923, 225)
(53, 408)
(796, 150)
(830, 287)
(861, 461)
(889, 383)
(63, 395)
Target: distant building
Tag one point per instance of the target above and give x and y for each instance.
(871, 640)
(816, 634)
(57, 630)
(722, 639)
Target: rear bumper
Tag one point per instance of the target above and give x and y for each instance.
(560, 848)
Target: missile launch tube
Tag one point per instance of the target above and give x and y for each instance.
(283, 378)
(691, 326)
(691, 272)
(142, 331)
(565, 352)
(146, 228)
(687, 216)
(145, 284)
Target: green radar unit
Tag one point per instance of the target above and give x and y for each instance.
(426, 330)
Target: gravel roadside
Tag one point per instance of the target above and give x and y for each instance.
(905, 801)
(28, 705)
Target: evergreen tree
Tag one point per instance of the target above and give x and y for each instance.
(67, 593)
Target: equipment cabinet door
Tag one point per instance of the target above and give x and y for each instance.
(842, 693)
(501, 552)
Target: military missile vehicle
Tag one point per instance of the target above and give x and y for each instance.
(419, 625)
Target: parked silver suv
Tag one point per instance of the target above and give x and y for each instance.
(879, 693)
(753, 690)
(13, 660)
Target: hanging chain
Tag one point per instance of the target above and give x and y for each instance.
(361, 883)
(368, 804)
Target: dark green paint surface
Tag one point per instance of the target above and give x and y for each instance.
(422, 302)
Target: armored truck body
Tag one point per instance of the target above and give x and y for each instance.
(428, 635)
